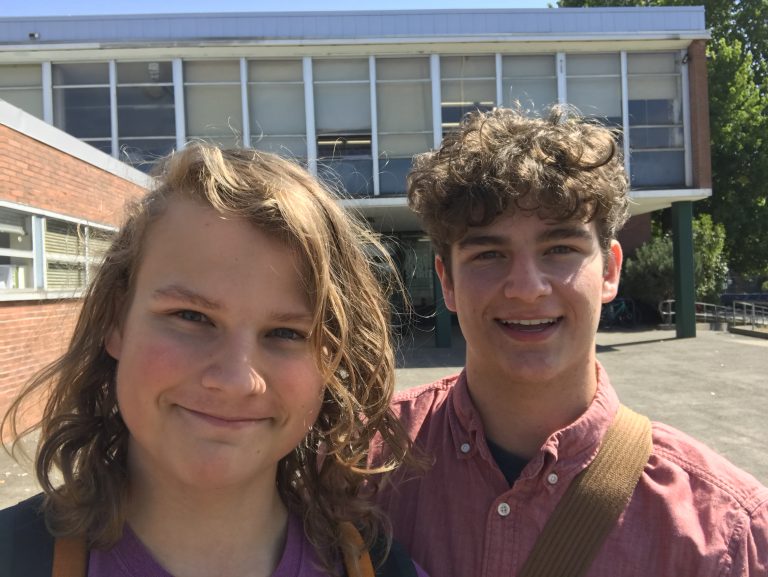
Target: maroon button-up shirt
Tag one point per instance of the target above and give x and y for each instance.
(692, 513)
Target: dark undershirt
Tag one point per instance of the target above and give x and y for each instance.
(511, 465)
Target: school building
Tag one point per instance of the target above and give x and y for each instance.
(353, 95)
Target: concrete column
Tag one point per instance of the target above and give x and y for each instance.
(682, 248)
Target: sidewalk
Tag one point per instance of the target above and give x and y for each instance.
(714, 387)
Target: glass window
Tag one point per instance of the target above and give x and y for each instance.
(276, 107)
(16, 256)
(71, 251)
(213, 103)
(657, 148)
(22, 86)
(530, 81)
(343, 123)
(594, 86)
(81, 104)
(146, 117)
(468, 83)
(404, 108)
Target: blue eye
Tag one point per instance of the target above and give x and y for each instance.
(288, 334)
(192, 316)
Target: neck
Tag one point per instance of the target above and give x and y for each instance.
(519, 416)
(202, 533)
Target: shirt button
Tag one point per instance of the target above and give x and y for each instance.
(503, 509)
(465, 448)
(552, 478)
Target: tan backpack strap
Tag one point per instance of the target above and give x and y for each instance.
(70, 557)
(359, 565)
(594, 501)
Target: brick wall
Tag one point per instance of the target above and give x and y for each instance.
(37, 175)
(34, 333)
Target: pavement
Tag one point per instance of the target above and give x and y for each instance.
(714, 387)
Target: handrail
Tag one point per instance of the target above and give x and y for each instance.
(750, 314)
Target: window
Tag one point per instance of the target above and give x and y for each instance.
(657, 149)
(16, 256)
(276, 107)
(146, 117)
(468, 83)
(213, 105)
(64, 252)
(530, 81)
(22, 86)
(81, 104)
(404, 108)
(594, 86)
(343, 123)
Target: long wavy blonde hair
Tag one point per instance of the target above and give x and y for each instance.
(323, 479)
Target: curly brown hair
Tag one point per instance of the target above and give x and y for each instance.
(324, 479)
(562, 167)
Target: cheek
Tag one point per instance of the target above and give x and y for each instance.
(147, 369)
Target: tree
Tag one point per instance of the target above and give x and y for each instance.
(738, 73)
(648, 276)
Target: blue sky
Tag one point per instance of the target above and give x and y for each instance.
(79, 7)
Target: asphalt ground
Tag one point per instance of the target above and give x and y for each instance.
(714, 387)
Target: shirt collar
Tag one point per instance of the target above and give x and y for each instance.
(572, 446)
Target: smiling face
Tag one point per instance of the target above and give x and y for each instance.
(216, 379)
(528, 294)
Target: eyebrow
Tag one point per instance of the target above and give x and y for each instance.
(564, 232)
(180, 293)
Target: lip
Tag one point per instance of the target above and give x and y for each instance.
(526, 331)
(224, 422)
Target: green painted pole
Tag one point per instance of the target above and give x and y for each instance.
(442, 315)
(682, 249)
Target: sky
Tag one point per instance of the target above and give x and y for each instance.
(81, 7)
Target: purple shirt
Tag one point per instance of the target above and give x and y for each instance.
(692, 513)
(130, 558)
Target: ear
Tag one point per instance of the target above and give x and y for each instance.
(114, 343)
(446, 284)
(612, 272)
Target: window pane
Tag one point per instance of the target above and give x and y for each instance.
(657, 145)
(594, 86)
(276, 107)
(29, 100)
(21, 75)
(144, 72)
(404, 107)
(214, 110)
(467, 67)
(82, 112)
(348, 175)
(212, 71)
(530, 81)
(349, 69)
(146, 111)
(341, 108)
(63, 238)
(402, 68)
(275, 71)
(81, 73)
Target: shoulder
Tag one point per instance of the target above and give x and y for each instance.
(707, 473)
(425, 398)
(26, 546)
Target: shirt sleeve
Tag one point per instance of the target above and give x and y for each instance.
(751, 551)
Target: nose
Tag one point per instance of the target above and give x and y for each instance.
(525, 280)
(232, 368)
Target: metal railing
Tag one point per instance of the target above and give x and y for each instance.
(747, 313)
(741, 313)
